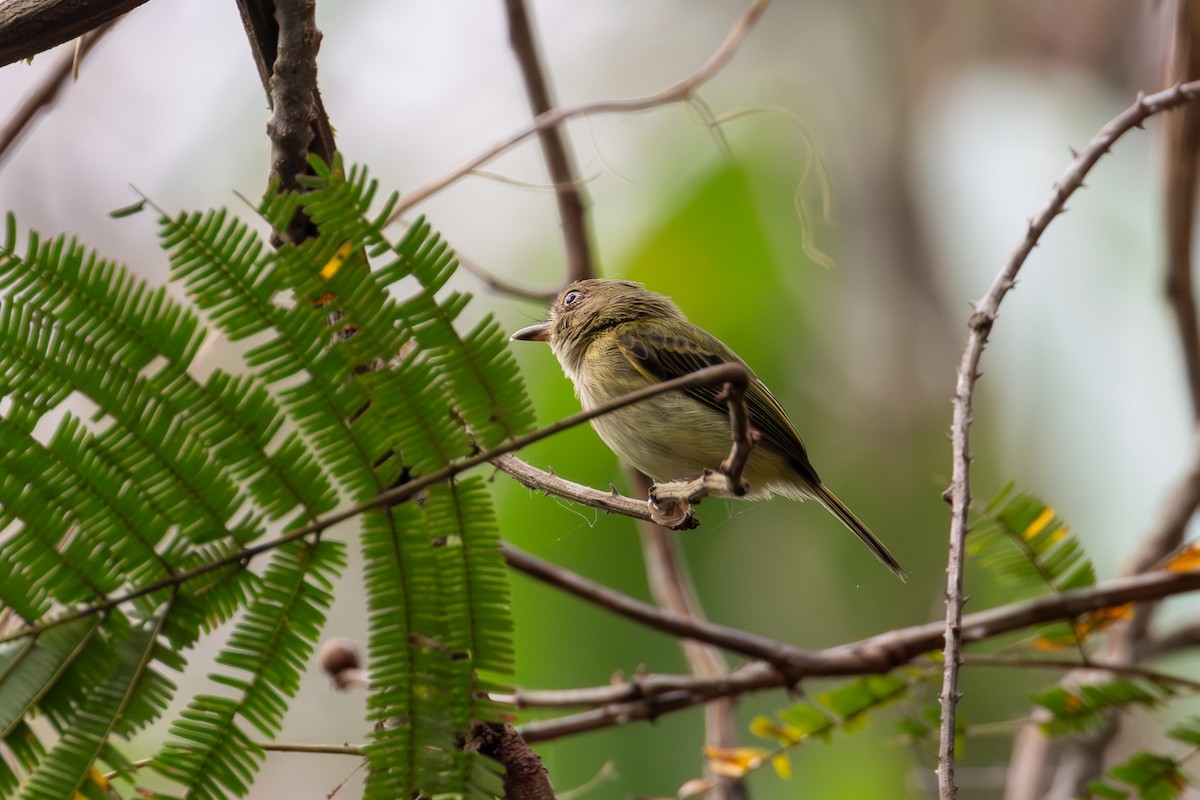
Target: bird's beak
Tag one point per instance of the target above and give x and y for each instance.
(534, 333)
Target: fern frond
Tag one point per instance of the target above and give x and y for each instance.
(1081, 708)
(230, 274)
(28, 668)
(1021, 540)
(264, 656)
(105, 710)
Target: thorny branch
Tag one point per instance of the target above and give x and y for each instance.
(959, 493)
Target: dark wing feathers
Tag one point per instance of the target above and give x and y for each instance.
(661, 358)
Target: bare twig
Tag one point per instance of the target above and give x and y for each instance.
(959, 493)
(669, 504)
(568, 189)
(493, 281)
(668, 621)
(46, 92)
(679, 92)
(549, 483)
(648, 685)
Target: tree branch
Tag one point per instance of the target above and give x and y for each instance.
(666, 620)
(648, 697)
(549, 483)
(959, 493)
(1182, 162)
(572, 201)
(679, 92)
(28, 27)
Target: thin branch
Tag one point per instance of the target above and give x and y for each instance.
(959, 493)
(572, 201)
(709, 375)
(1130, 670)
(679, 92)
(549, 483)
(496, 283)
(46, 92)
(665, 620)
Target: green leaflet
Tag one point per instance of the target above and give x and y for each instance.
(155, 472)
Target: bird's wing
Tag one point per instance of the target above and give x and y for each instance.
(661, 358)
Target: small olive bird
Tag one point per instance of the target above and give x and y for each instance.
(613, 337)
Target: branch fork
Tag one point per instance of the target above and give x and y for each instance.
(671, 503)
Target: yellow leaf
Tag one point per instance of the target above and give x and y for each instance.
(734, 762)
(1039, 524)
(335, 263)
(768, 728)
(783, 767)
(1185, 560)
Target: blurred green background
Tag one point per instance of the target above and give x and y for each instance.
(876, 166)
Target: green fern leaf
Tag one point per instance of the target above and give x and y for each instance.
(1022, 541)
(1084, 707)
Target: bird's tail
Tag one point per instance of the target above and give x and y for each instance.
(838, 509)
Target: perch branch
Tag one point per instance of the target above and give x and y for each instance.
(980, 325)
(549, 483)
(679, 92)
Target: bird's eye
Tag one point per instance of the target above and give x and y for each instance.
(573, 297)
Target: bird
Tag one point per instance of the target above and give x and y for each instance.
(612, 337)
